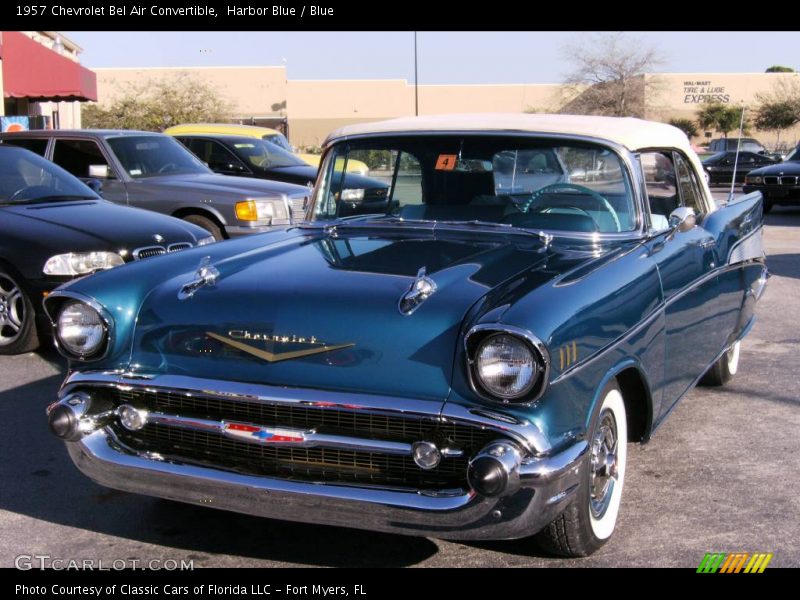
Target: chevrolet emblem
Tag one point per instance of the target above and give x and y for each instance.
(274, 356)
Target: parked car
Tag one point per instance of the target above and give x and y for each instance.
(719, 166)
(53, 228)
(153, 171)
(734, 144)
(779, 183)
(248, 157)
(261, 133)
(470, 364)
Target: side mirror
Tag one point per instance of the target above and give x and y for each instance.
(682, 219)
(99, 172)
(96, 185)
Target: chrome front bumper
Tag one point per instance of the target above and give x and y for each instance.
(546, 484)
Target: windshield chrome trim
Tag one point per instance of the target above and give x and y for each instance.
(626, 156)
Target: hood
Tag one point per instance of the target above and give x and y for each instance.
(781, 168)
(319, 311)
(97, 225)
(222, 185)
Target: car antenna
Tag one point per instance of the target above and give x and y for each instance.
(736, 158)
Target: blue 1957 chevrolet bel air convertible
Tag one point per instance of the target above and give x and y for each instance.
(467, 359)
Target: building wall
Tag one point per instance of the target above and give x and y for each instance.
(315, 107)
(682, 95)
(249, 91)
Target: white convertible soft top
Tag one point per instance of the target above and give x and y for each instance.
(634, 134)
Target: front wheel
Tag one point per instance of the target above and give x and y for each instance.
(724, 369)
(206, 223)
(589, 520)
(17, 318)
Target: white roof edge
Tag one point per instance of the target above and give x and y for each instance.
(632, 133)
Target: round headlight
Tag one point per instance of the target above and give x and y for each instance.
(80, 329)
(505, 366)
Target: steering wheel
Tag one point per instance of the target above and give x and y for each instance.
(526, 206)
(166, 168)
(33, 190)
(548, 209)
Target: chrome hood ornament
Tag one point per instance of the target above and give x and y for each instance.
(206, 274)
(422, 289)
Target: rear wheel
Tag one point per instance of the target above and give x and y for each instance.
(206, 223)
(17, 318)
(589, 520)
(724, 369)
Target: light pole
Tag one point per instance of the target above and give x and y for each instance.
(416, 79)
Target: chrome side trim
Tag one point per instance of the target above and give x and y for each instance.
(536, 344)
(310, 438)
(525, 433)
(750, 247)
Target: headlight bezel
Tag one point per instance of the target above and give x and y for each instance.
(62, 265)
(55, 304)
(476, 338)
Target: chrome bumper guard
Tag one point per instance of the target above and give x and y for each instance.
(546, 484)
(548, 477)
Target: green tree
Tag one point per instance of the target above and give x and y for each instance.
(779, 69)
(776, 116)
(155, 104)
(687, 126)
(722, 117)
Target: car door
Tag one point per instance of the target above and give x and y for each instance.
(218, 158)
(77, 155)
(686, 262)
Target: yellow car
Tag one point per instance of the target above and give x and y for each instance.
(265, 133)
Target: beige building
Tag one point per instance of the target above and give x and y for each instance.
(310, 109)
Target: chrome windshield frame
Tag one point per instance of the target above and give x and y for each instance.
(627, 160)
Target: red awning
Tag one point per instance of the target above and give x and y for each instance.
(33, 71)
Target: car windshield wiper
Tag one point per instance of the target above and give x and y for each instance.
(506, 227)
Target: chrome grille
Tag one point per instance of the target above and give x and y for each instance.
(771, 180)
(317, 463)
(788, 180)
(151, 251)
(148, 252)
(298, 206)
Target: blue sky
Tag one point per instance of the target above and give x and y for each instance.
(444, 57)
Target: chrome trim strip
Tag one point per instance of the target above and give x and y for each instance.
(456, 513)
(525, 433)
(749, 247)
(535, 343)
(310, 438)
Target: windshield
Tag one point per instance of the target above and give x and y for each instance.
(519, 182)
(261, 154)
(279, 140)
(152, 155)
(794, 155)
(27, 177)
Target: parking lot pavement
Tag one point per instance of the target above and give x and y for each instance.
(720, 475)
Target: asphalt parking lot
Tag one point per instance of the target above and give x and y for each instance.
(720, 475)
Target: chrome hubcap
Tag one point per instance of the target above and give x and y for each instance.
(604, 472)
(12, 311)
